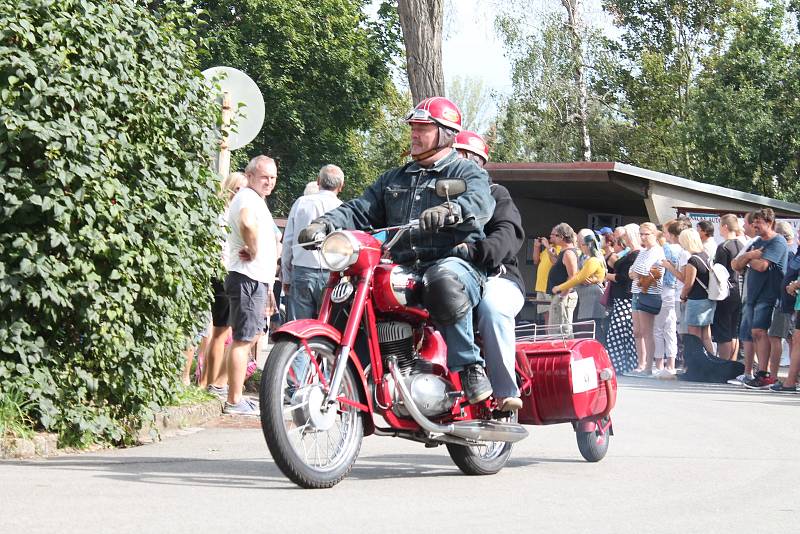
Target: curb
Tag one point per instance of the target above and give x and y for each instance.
(41, 445)
(174, 418)
(165, 423)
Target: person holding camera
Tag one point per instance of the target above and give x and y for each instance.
(543, 264)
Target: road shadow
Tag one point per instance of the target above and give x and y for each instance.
(428, 465)
(253, 473)
(222, 473)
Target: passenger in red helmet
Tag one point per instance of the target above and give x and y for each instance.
(504, 291)
(452, 284)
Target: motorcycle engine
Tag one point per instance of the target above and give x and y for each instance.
(430, 392)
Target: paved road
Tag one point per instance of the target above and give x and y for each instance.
(685, 458)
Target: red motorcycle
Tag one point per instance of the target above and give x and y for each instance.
(373, 351)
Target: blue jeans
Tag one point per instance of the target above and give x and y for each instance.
(460, 337)
(305, 292)
(502, 301)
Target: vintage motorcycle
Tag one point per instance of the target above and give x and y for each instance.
(372, 363)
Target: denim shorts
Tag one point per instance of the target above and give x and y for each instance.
(781, 325)
(248, 302)
(755, 315)
(700, 312)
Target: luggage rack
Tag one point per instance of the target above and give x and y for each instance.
(533, 332)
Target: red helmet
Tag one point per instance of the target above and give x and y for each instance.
(472, 142)
(437, 110)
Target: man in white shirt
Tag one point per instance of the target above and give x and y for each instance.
(251, 271)
(303, 272)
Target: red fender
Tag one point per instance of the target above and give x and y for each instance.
(306, 329)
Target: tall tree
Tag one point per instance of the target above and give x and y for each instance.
(422, 22)
(659, 54)
(745, 131)
(576, 37)
(550, 116)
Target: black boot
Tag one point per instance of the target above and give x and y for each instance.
(475, 383)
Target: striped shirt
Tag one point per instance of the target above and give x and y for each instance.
(647, 259)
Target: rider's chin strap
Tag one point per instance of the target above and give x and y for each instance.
(426, 154)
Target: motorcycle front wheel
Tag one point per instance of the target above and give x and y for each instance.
(485, 459)
(313, 446)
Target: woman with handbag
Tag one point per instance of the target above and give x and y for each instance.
(646, 274)
(699, 308)
(620, 345)
(588, 282)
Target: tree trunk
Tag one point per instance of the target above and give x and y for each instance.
(422, 22)
(574, 24)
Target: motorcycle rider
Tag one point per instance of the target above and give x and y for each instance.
(503, 294)
(452, 285)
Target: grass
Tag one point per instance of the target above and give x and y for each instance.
(14, 421)
(192, 395)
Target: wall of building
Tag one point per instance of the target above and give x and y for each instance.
(663, 198)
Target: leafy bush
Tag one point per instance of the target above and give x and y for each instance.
(108, 234)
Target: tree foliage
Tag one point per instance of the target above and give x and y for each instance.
(540, 121)
(108, 220)
(324, 70)
(744, 120)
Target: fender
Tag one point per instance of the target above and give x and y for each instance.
(306, 329)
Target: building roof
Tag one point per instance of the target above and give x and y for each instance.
(600, 172)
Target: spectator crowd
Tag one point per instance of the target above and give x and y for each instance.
(647, 287)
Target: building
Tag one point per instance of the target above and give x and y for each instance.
(597, 194)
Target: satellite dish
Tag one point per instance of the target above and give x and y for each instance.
(242, 90)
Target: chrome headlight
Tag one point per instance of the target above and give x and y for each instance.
(339, 251)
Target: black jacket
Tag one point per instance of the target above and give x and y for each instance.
(497, 252)
(403, 193)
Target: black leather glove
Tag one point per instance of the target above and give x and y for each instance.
(308, 236)
(434, 218)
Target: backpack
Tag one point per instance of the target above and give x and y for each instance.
(718, 287)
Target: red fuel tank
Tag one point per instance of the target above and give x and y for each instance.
(564, 381)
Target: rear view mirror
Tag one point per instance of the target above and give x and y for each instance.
(450, 187)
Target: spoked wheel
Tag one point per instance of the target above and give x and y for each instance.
(594, 445)
(485, 459)
(313, 446)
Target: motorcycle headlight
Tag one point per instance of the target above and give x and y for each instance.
(339, 251)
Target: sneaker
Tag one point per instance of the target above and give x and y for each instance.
(663, 374)
(739, 380)
(778, 387)
(243, 407)
(762, 380)
(475, 383)
(510, 404)
(219, 391)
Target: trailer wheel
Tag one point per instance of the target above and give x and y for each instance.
(593, 445)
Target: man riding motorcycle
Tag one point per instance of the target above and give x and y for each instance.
(503, 294)
(453, 285)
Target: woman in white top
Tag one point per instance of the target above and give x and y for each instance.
(646, 273)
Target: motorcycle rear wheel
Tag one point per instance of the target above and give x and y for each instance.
(312, 455)
(485, 459)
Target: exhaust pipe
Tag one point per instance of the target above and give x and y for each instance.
(474, 430)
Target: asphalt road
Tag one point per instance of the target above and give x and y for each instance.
(684, 458)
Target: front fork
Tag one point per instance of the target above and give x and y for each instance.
(348, 339)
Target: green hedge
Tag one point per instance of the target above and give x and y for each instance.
(108, 233)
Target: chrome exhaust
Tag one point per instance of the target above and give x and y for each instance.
(472, 430)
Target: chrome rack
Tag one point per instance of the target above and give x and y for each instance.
(555, 332)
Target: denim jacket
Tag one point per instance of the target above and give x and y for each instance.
(403, 193)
